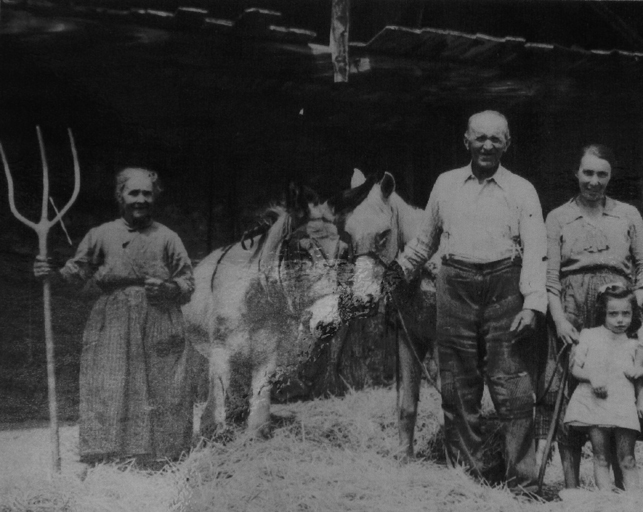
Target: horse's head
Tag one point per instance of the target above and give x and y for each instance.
(370, 218)
(312, 263)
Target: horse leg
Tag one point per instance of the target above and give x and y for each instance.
(408, 394)
(213, 418)
(434, 372)
(259, 415)
(333, 382)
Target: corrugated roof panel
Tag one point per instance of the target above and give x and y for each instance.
(568, 57)
(404, 42)
(257, 20)
(291, 35)
(396, 40)
(218, 25)
(486, 48)
(512, 48)
(622, 54)
(433, 43)
(458, 44)
(430, 43)
(160, 19)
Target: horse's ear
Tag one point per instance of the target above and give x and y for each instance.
(387, 185)
(349, 199)
(358, 178)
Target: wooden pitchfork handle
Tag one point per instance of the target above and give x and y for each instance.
(42, 230)
(553, 426)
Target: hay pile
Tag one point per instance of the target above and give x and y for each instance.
(341, 455)
(326, 455)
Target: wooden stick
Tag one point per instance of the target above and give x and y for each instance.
(42, 230)
(62, 224)
(552, 427)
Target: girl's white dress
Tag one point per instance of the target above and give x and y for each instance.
(597, 351)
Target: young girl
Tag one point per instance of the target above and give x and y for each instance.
(604, 401)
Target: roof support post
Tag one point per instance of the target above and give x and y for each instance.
(339, 25)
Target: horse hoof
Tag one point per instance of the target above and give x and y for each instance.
(215, 433)
(404, 457)
(263, 432)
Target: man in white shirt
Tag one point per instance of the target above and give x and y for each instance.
(489, 224)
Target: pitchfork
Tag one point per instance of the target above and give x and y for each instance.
(42, 230)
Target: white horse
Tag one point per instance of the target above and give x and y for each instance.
(380, 223)
(258, 312)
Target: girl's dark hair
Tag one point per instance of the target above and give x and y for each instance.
(599, 151)
(618, 291)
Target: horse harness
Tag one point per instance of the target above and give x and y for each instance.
(297, 246)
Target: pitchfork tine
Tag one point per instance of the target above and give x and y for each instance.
(74, 194)
(12, 202)
(44, 217)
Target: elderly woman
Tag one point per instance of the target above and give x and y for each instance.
(593, 240)
(134, 389)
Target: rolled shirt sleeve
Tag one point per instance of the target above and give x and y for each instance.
(636, 248)
(534, 240)
(554, 244)
(419, 250)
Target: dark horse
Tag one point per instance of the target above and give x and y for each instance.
(379, 223)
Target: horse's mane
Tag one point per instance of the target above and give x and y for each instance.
(273, 226)
(277, 223)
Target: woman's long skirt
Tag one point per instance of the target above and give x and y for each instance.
(134, 386)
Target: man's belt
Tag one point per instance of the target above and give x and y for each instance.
(491, 266)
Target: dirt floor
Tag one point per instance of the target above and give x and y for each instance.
(26, 455)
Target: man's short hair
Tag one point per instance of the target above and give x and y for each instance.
(492, 113)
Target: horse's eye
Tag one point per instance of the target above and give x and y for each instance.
(382, 238)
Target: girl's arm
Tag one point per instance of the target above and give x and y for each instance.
(597, 380)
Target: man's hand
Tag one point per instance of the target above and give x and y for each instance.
(393, 276)
(526, 319)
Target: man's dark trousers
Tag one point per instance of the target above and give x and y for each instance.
(476, 305)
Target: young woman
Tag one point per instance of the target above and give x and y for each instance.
(604, 402)
(592, 240)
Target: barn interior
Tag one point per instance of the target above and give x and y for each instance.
(229, 101)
